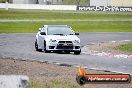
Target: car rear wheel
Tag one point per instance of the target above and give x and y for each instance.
(77, 52)
(36, 46)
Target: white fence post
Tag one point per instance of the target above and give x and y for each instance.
(6, 6)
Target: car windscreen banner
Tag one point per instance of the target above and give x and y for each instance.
(104, 8)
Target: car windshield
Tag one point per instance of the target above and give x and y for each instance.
(60, 30)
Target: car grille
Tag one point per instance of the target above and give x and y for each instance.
(65, 41)
(65, 45)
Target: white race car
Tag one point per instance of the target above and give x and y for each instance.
(57, 38)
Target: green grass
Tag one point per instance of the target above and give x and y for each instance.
(88, 22)
(55, 15)
(15, 27)
(126, 48)
(53, 84)
(1, 1)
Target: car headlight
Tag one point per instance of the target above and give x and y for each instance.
(76, 41)
(52, 40)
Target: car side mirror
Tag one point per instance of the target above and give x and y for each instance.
(76, 33)
(42, 33)
(39, 29)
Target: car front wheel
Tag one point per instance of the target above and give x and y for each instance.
(46, 51)
(77, 52)
(36, 46)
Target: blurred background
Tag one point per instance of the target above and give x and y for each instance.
(73, 2)
(49, 2)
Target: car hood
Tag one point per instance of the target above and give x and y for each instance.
(62, 37)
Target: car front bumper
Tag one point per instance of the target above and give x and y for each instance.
(63, 46)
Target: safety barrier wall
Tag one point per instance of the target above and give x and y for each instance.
(64, 7)
(37, 6)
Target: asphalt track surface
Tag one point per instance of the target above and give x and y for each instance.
(21, 46)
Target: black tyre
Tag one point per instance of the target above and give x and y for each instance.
(81, 80)
(77, 52)
(36, 46)
(46, 51)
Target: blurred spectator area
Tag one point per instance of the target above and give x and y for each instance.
(74, 2)
(49, 2)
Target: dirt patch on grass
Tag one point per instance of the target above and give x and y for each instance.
(108, 47)
(44, 75)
